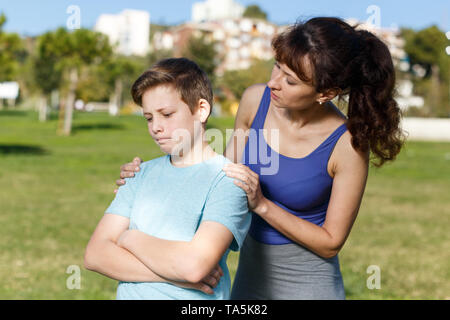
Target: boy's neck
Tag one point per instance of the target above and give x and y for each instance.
(194, 156)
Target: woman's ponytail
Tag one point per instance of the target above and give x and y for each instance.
(373, 114)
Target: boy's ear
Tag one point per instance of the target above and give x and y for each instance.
(203, 110)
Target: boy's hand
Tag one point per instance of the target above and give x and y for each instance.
(127, 171)
(207, 284)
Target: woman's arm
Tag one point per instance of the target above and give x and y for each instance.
(180, 260)
(248, 107)
(350, 175)
(104, 256)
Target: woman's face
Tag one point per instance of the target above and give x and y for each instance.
(288, 91)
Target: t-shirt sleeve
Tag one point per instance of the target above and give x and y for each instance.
(124, 199)
(227, 204)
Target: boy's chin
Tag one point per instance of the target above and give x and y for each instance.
(170, 150)
(166, 150)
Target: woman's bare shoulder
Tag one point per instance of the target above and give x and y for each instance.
(346, 152)
(249, 103)
(254, 91)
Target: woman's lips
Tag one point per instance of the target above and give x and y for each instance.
(274, 96)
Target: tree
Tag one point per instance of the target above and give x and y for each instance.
(11, 53)
(47, 71)
(238, 80)
(118, 72)
(426, 47)
(10, 50)
(254, 11)
(72, 53)
(203, 52)
(156, 55)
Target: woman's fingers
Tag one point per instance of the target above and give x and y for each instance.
(244, 179)
(239, 175)
(126, 174)
(245, 187)
(120, 182)
(248, 181)
(130, 167)
(244, 173)
(240, 168)
(127, 171)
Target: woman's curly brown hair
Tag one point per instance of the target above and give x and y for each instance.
(357, 64)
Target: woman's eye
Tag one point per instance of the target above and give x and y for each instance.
(167, 115)
(289, 83)
(149, 120)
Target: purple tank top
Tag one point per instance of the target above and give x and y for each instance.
(301, 186)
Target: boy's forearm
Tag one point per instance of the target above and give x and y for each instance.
(169, 259)
(120, 264)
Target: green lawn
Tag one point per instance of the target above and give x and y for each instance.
(54, 190)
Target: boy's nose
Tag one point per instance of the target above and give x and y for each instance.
(157, 127)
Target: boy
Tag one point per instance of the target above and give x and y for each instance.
(169, 227)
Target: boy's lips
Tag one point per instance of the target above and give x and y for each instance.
(159, 140)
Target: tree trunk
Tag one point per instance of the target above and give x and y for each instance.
(73, 77)
(11, 103)
(115, 99)
(435, 89)
(43, 108)
(61, 111)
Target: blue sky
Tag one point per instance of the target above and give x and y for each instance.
(35, 17)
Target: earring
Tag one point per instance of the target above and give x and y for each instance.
(320, 102)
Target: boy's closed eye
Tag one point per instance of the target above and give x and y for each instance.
(167, 115)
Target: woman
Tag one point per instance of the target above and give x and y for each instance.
(304, 212)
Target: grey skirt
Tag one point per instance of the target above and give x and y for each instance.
(285, 272)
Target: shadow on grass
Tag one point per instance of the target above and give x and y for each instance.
(97, 126)
(13, 113)
(10, 149)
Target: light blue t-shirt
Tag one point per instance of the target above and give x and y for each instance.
(170, 202)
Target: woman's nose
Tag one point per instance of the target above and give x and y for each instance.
(274, 82)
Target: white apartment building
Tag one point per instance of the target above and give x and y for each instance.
(211, 10)
(128, 31)
(238, 41)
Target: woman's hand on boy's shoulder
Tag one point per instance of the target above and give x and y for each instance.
(128, 170)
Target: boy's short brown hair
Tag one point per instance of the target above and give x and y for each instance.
(185, 75)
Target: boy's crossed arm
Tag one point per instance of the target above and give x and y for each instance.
(189, 261)
(105, 256)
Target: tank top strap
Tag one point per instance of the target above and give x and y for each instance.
(328, 145)
(260, 117)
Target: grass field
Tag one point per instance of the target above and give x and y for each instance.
(54, 190)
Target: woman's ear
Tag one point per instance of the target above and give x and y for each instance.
(203, 110)
(328, 95)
